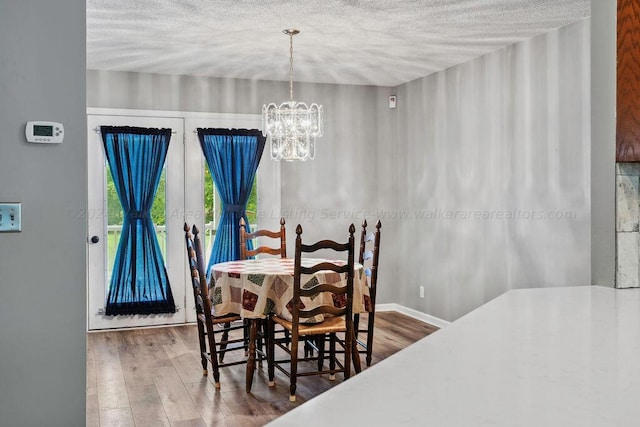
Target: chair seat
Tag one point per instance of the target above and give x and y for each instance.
(328, 326)
(216, 320)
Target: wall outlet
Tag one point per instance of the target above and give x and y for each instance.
(421, 291)
(10, 217)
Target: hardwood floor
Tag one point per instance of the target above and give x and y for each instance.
(153, 377)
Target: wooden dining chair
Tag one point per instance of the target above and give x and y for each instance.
(338, 319)
(211, 350)
(264, 249)
(368, 256)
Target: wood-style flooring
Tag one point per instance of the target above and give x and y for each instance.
(153, 377)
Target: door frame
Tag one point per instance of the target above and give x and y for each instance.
(97, 274)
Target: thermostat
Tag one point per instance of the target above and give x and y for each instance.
(44, 132)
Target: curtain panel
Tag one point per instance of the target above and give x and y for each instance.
(139, 283)
(232, 156)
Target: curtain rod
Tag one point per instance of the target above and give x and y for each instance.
(97, 130)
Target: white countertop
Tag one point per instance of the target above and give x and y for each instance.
(531, 357)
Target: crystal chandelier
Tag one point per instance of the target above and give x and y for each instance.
(292, 127)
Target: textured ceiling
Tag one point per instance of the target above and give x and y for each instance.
(377, 42)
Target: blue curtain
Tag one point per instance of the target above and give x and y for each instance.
(232, 156)
(139, 284)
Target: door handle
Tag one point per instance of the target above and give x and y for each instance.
(94, 239)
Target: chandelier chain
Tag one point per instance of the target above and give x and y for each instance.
(291, 67)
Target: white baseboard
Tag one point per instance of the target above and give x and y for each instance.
(418, 315)
(423, 317)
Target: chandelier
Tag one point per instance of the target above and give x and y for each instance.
(292, 127)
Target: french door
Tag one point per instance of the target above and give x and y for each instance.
(185, 194)
(104, 218)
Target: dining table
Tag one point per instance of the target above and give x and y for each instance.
(258, 288)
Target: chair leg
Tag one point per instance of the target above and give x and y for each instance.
(355, 355)
(349, 345)
(320, 345)
(203, 348)
(287, 337)
(370, 337)
(294, 368)
(251, 363)
(223, 341)
(261, 340)
(245, 330)
(308, 348)
(214, 356)
(332, 355)
(356, 323)
(216, 378)
(270, 328)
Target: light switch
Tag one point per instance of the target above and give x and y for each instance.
(10, 217)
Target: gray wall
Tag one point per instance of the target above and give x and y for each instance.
(603, 141)
(42, 269)
(489, 148)
(506, 134)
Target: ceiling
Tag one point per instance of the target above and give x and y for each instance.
(372, 42)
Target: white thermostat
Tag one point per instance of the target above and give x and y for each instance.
(44, 132)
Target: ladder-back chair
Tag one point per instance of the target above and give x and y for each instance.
(339, 319)
(368, 256)
(211, 350)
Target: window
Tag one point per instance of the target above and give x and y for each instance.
(213, 209)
